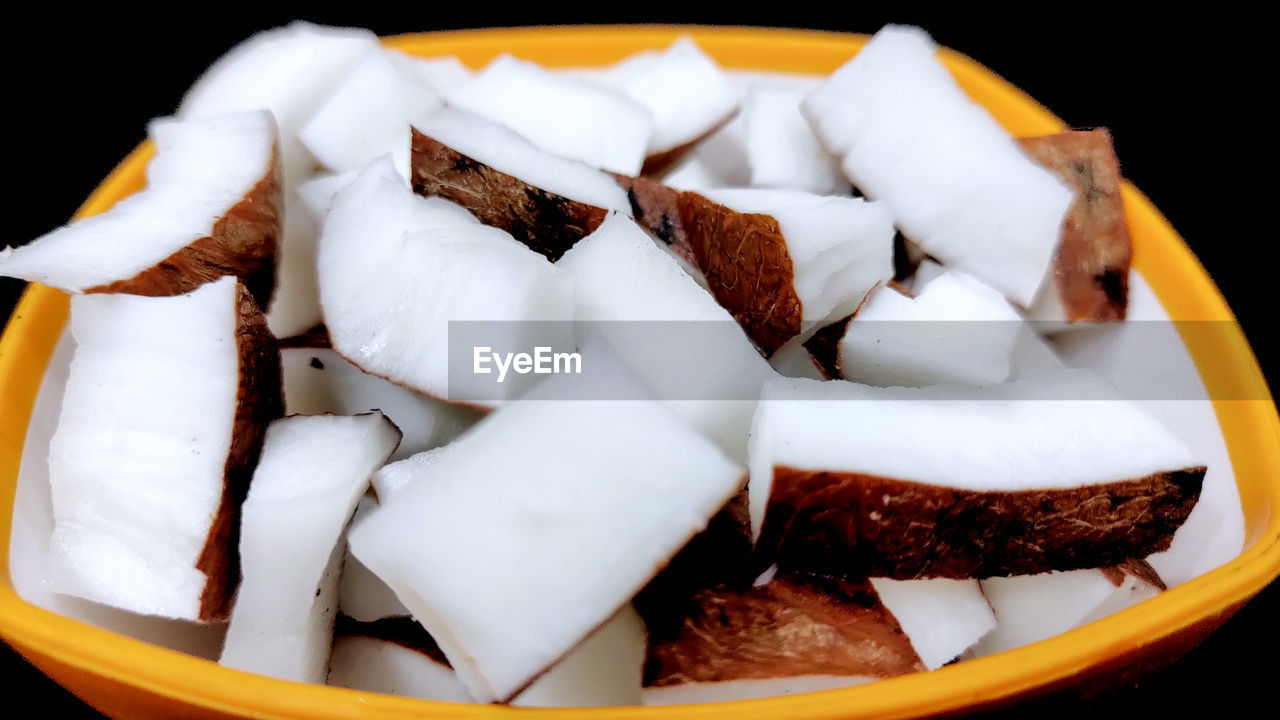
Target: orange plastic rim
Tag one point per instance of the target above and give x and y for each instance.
(1251, 429)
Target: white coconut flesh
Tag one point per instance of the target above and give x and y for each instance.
(312, 472)
(1170, 390)
(369, 113)
(288, 71)
(295, 304)
(200, 171)
(955, 330)
(605, 670)
(320, 381)
(793, 359)
(507, 152)
(671, 332)
(1030, 608)
(840, 247)
(956, 182)
(686, 92)
(376, 665)
(781, 148)
(717, 162)
(563, 116)
(730, 690)
(515, 515)
(982, 438)
(941, 617)
(373, 271)
(138, 461)
(361, 595)
(442, 74)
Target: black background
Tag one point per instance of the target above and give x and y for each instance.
(1182, 93)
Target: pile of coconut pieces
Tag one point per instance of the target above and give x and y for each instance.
(884, 470)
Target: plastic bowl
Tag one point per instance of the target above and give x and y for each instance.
(126, 678)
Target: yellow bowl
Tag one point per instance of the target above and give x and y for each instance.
(126, 678)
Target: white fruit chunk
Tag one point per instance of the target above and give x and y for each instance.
(840, 247)
(730, 690)
(389, 295)
(312, 473)
(289, 71)
(443, 74)
(377, 665)
(720, 161)
(605, 669)
(685, 90)
(673, 334)
(507, 152)
(1147, 359)
(958, 185)
(142, 465)
(516, 517)
(201, 171)
(361, 595)
(781, 148)
(955, 330)
(941, 617)
(1030, 608)
(319, 381)
(369, 114)
(563, 116)
(984, 447)
(794, 360)
(295, 305)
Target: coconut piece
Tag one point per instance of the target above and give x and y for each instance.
(518, 530)
(289, 71)
(147, 468)
(956, 183)
(377, 664)
(685, 91)
(400, 658)
(955, 330)
(361, 595)
(443, 74)
(794, 360)
(563, 116)
(1055, 472)
(1089, 278)
(319, 381)
(941, 617)
(1030, 608)
(807, 259)
(670, 331)
(312, 473)
(719, 161)
(545, 202)
(211, 208)
(372, 271)
(369, 113)
(1146, 358)
(790, 634)
(781, 148)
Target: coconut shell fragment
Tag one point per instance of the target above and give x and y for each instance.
(742, 256)
(1091, 265)
(788, 627)
(546, 222)
(903, 530)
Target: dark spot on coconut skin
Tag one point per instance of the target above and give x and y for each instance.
(1113, 284)
(315, 363)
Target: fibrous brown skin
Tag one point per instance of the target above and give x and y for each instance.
(1140, 569)
(260, 400)
(840, 522)
(547, 223)
(1091, 264)
(743, 257)
(789, 627)
(316, 337)
(243, 243)
(403, 631)
(719, 555)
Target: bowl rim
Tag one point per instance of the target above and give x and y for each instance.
(1251, 429)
